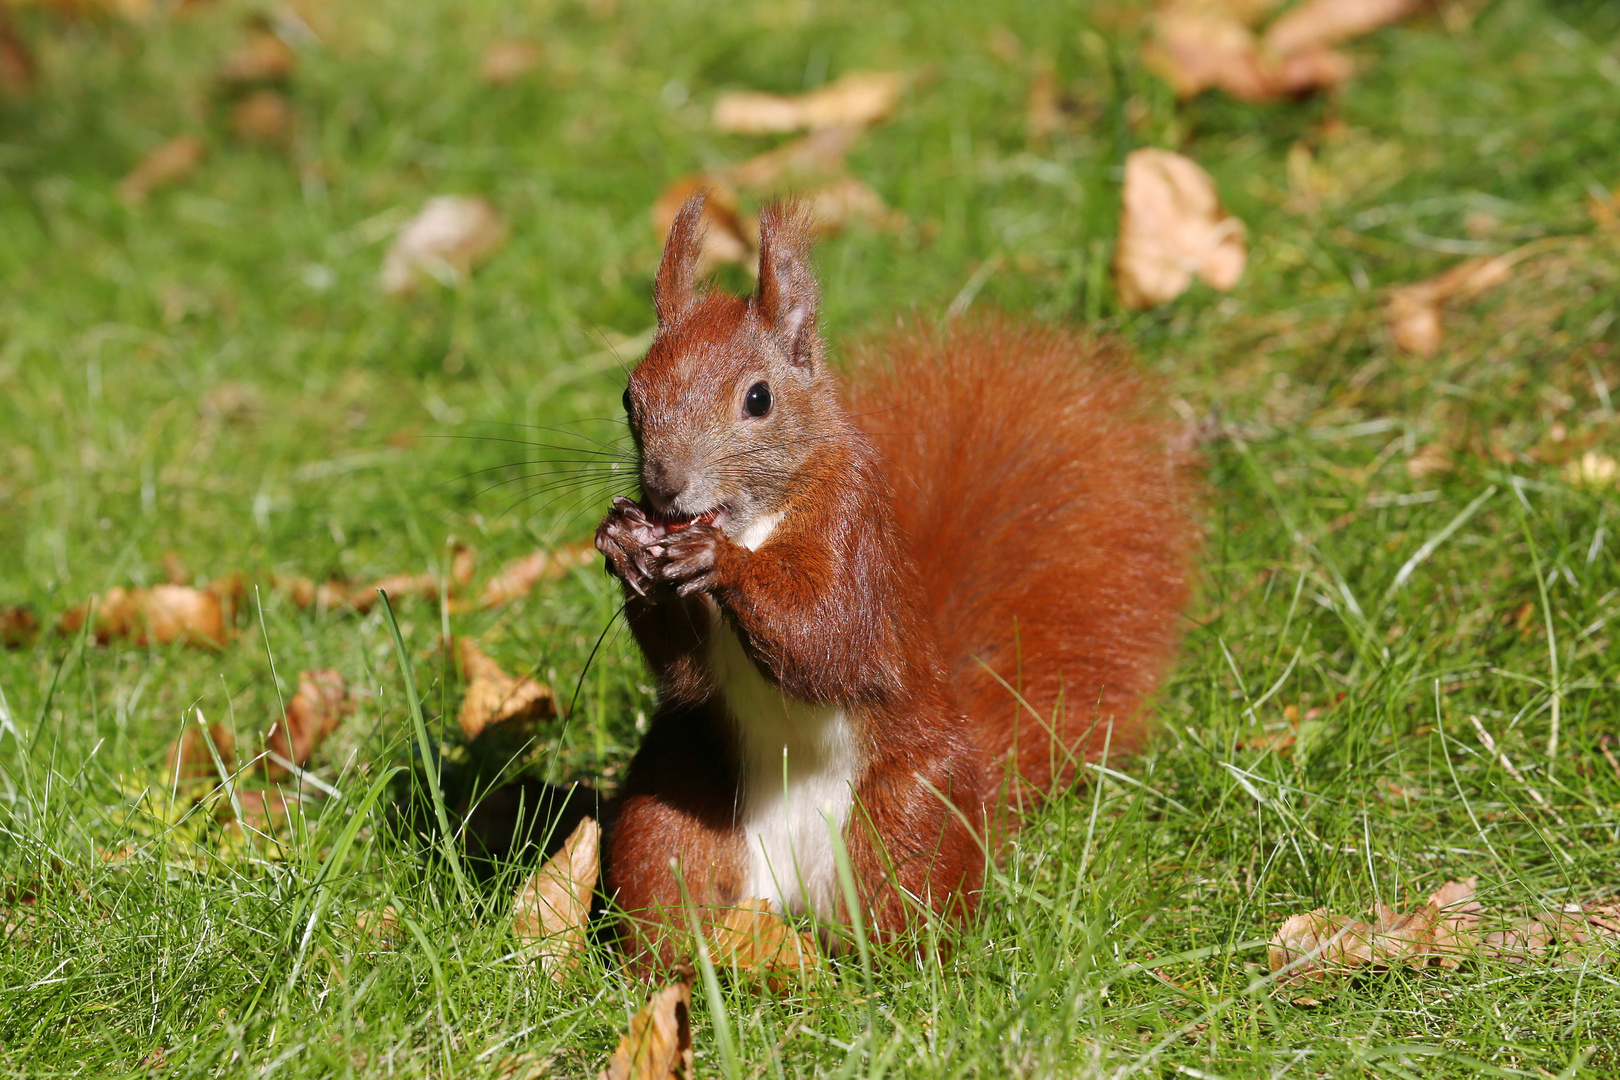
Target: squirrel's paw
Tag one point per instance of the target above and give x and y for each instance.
(626, 540)
(689, 561)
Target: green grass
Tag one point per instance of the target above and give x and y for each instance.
(215, 373)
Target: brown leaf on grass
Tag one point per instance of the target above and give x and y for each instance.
(658, 1045)
(443, 242)
(170, 163)
(265, 810)
(494, 697)
(847, 201)
(174, 569)
(816, 155)
(1412, 312)
(515, 579)
(18, 71)
(162, 614)
(264, 117)
(1044, 115)
(751, 939)
(380, 925)
(305, 593)
(1431, 460)
(424, 586)
(1197, 45)
(550, 911)
(19, 626)
(1172, 226)
(1593, 470)
(188, 759)
(508, 61)
(263, 57)
(1324, 23)
(729, 236)
(321, 703)
(463, 564)
(1321, 944)
(858, 99)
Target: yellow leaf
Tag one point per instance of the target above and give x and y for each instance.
(550, 911)
(857, 99)
(658, 1045)
(1172, 227)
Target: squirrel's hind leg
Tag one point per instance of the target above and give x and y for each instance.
(675, 840)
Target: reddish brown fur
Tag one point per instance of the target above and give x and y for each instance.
(1050, 523)
(1014, 475)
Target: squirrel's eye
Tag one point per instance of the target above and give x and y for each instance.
(758, 399)
(627, 409)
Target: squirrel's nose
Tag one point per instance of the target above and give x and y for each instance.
(662, 485)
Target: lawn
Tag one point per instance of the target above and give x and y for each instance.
(1401, 668)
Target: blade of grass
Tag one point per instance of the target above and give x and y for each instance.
(435, 791)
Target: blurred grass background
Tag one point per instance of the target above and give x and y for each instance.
(215, 372)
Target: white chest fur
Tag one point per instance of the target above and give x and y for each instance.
(798, 773)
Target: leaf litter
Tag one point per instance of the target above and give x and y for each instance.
(1445, 932)
(859, 98)
(1173, 228)
(493, 697)
(658, 1044)
(1197, 45)
(443, 242)
(550, 912)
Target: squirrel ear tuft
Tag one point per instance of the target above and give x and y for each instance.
(673, 289)
(788, 295)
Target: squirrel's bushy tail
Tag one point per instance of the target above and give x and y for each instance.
(1052, 522)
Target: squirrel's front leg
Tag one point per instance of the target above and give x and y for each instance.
(626, 539)
(694, 560)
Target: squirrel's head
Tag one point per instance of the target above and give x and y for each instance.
(733, 401)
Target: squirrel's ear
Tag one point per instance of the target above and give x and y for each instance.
(673, 290)
(788, 296)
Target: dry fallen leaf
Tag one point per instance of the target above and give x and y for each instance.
(264, 117)
(18, 71)
(265, 810)
(751, 939)
(168, 164)
(549, 914)
(162, 614)
(494, 697)
(1412, 312)
(658, 1045)
(515, 579)
(1444, 932)
(1199, 44)
(508, 61)
(443, 242)
(1324, 23)
(1429, 461)
(381, 925)
(1172, 226)
(422, 586)
(321, 703)
(728, 235)
(1044, 115)
(189, 761)
(263, 57)
(18, 627)
(818, 154)
(856, 99)
(846, 201)
(1593, 470)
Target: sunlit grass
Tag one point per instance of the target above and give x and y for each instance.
(216, 373)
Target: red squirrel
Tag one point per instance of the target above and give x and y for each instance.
(890, 610)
